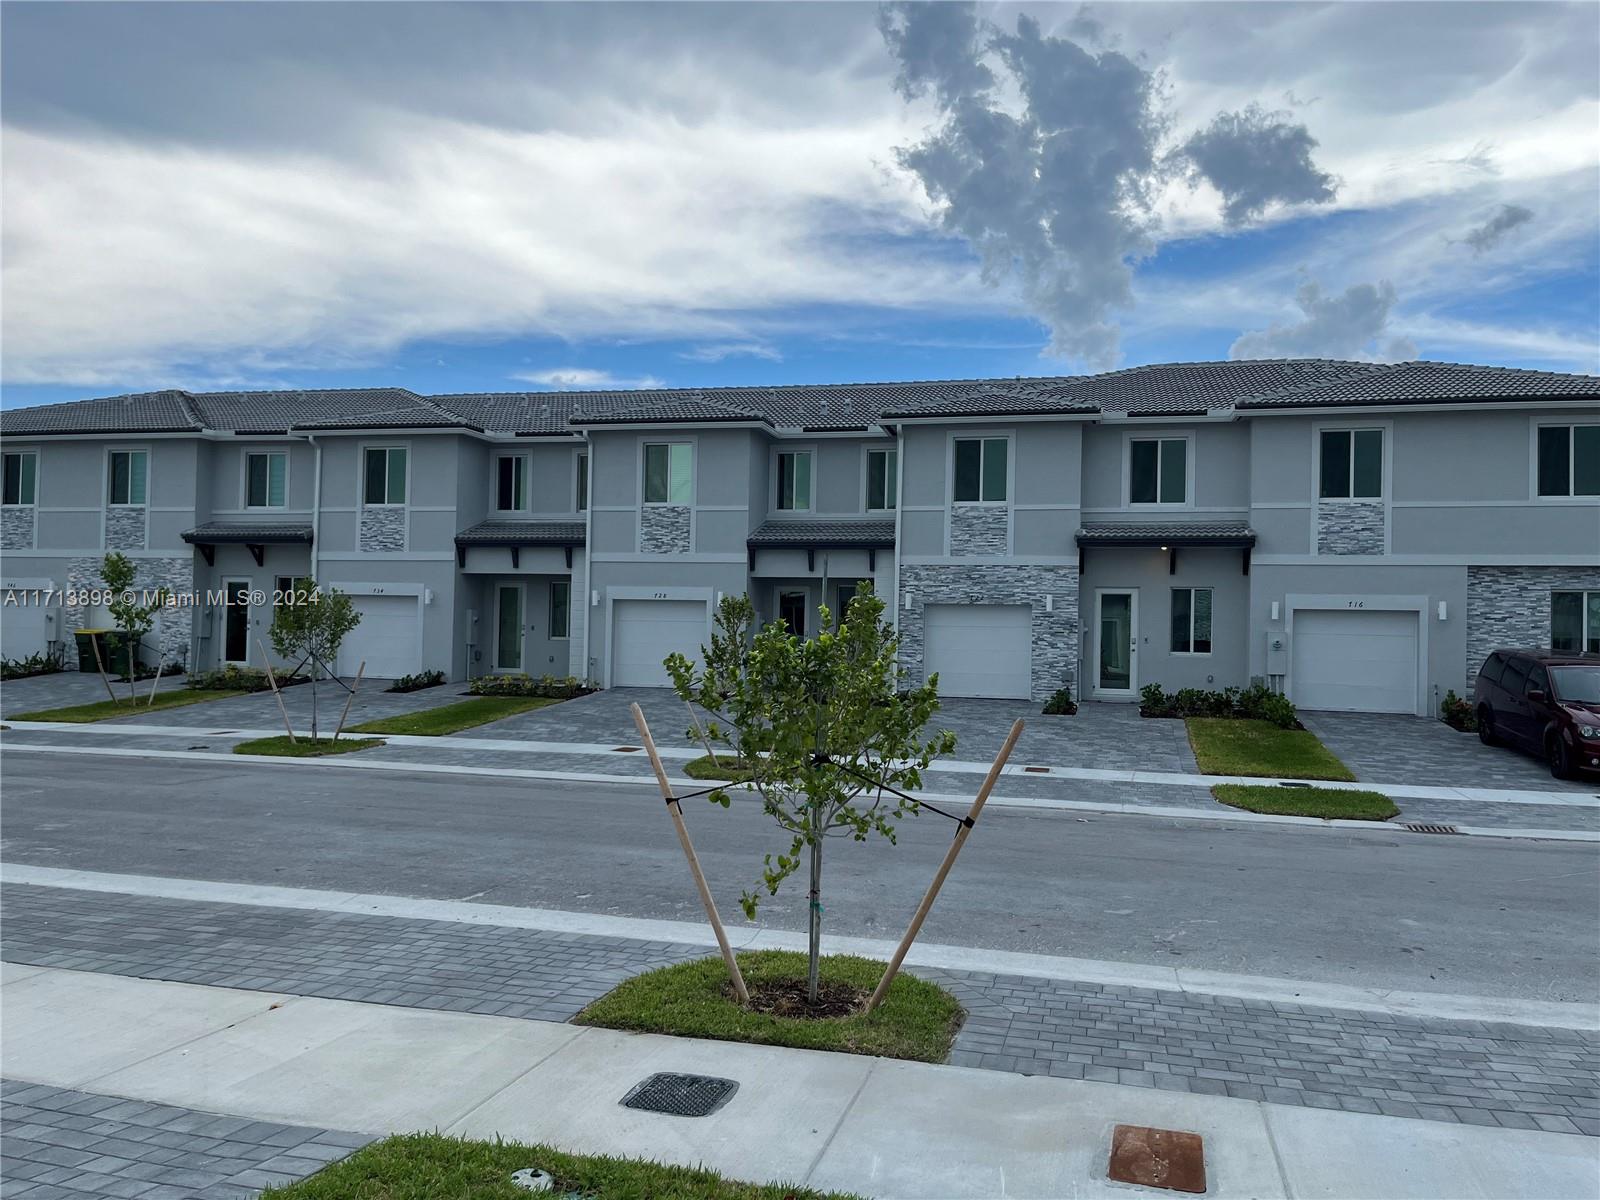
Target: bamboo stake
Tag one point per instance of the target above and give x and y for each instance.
(348, 700)
(701, 734)
(676, 810)
(94, 644)
(959, 841)
(273, 680)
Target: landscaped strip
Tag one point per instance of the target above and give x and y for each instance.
(725, 766)
(1330, 804)
(917, 1019)
(1226, 746)
(452, 718)
(431, 1166)
(104, 710)
(282, 747)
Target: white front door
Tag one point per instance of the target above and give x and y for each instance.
(508, 625)
(1116, 643)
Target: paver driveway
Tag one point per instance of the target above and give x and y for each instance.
(67, 688)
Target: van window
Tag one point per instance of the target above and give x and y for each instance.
(1516, 674)
(1538, 679)
(1492, 669)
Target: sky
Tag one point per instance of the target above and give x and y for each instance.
(512, 197)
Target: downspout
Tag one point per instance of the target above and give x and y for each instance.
(316, 507)
(899, 495)
(588, 558)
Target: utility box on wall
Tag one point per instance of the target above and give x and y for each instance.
(1277, 652)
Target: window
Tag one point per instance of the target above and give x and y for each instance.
(792, 611)
(1352, 464)
(1492, 668)
(1569, 460)
(1575, 621)
(668, 473)
(129, 469)
(794, 480)
(1538, 680)
(1158, 471)
(847, 593)
(560, 607)
(263, 479)
(981, 470)
(21, 477)
(883, 484)
(511, 482)
(386, 475)
(1191, 620)
(582, 502)
(1516, 673)
(286, 586)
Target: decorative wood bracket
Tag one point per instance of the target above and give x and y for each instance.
(207, 552)
(1172, 561)
(257, 552)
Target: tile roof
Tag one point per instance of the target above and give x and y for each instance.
(523, 533)
(254, 532)
(823, 533)
(167, 411)
(1432, 383)
(1167, 533)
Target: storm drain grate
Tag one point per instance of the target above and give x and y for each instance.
(1421, 828)
(1292, 783)
(681, 1095)
(626, 749)
(1037, 770)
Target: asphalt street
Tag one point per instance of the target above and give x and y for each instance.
(1382, 908)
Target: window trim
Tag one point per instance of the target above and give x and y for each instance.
(669, 502)
(773, 498)
(130, 503)
(1386, 459)
(34, 502)
(244, 500)
(550, 614)
(892, 493)
(980, 436)
(494, 481)
(1584, 632)
(388, 447)
(1191, 652)
(1570, 497)
(580, 481)
(1156, 435)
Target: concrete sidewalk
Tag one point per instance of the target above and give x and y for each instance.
(875, 1126)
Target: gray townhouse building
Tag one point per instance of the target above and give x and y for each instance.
(1359, 535)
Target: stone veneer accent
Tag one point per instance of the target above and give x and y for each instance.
(664, 529)
(174, 574)
(125, 527)
(1510, 606)
(16, 528)
(1350, 527)
(1055, 634)
(383, 529)
(980, 529)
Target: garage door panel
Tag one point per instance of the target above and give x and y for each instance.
(980, 650)
(1356, 661)
(23, 628)
(386, 640)
(646, 631)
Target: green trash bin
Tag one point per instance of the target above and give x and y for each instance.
(116, 663)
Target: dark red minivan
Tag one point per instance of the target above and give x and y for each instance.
(1546, 702)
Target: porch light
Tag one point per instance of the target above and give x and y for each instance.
(1441, 610)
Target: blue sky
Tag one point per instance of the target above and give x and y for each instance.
(512, 197)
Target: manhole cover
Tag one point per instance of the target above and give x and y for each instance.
(1418, 828)
(1158, 1158)
(681, 1095)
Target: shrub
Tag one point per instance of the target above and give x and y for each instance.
(415, 683)
(1457, 713)
(238, 679)
(1254, 703)
(527, 685)
(1060, 703)
(42, 663)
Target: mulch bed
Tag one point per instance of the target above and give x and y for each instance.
(787, 998)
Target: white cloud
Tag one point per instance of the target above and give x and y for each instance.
(577, 379)
(718, 351)
(1351, 325)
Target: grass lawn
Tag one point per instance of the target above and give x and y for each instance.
(452, 718)
(917, 1019)
(1327, 803)
(726, 767)
(282, 747)
(430, 1166)
(104, 710)
(1224, 746)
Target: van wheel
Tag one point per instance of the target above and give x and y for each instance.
(1556, 754)
(1486, 726)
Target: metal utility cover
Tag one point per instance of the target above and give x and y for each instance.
(1158, 1158)
(681, 1095)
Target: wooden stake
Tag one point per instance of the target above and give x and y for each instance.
(94, 644)
(676, 810)
(350, 699)
(959, 841)
(701, 734)
(273, 680)
(160, 663)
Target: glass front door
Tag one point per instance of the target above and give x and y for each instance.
(1117, 641)
(792, 610)
(508, 627)
(236, 622)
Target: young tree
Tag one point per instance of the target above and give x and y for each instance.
(132, 618)
(310, 624)
(824, 725)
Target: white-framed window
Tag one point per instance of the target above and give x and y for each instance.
(511, 483)
(266, 474)
(1575, 621)
(581, 501)
(386, 475)
(560, 608)
(1191, 620)
(1567, 459)
(1349, 464)
(668, 473)
(21, 478)
(285, 587)
(794, 480)
(127, 477)
(883, 479)
(1158, 470)
(981, 470)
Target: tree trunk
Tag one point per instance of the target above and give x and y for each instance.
(314, 665)
(814, 969)
(133, 670)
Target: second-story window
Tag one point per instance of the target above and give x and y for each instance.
(581, 502)
(264, 475)
(980, 470)
(386, 475)
(128, 470)
(1569, 460)
(668, 473)
(511, 483)
(1158, 471)
(883, 484)
(1351, 464)
(21, 477)
(794, 480)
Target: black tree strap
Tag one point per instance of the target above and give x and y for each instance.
(884, 787)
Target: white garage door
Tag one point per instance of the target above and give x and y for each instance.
(646, 631)
(387, 639)
(1355, 661)
(980, 649)
(22, 624)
